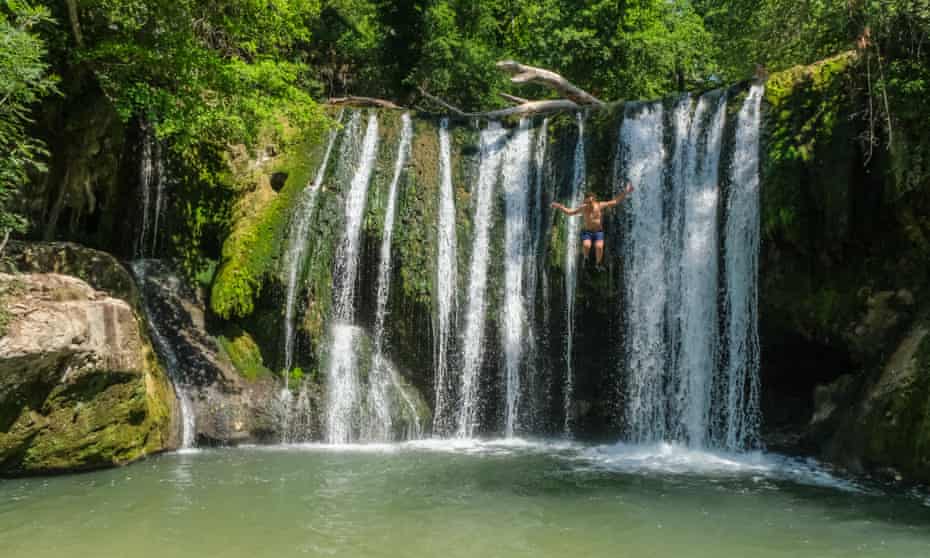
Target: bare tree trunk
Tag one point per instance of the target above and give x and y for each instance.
(75, 22)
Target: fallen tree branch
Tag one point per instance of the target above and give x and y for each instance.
(531, 107)
(362, 102)
(530, 74)
(451, 108)
(523, 109)
(514, 99)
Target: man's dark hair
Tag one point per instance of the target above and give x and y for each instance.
(589, 195)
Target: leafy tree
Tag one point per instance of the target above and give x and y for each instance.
(214, 72)
(24, 79)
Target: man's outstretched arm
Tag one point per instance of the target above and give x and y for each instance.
(566, 210)
(621, 196)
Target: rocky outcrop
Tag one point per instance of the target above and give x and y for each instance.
(881, 423)
(844, 271)
(80, 387)
(98, 269)
(230, 405)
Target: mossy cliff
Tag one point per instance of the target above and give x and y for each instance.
(844, 270)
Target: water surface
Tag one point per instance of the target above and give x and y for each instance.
(460, 498)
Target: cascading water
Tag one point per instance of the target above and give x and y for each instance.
(169, 358)
(152, 192)
(741, 264)
(516, 181)
(641, 154)
(294, 413)
(675, 355)
(298, 240)
(342, 412)
(493, 141)
(699, 275)
(534, 268)
(446, 279)
(572, 231)
(383, 379)
(152, 180)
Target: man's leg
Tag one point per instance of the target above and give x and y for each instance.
(586, 248)
(599, 251)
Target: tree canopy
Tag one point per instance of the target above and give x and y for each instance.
(209, 73)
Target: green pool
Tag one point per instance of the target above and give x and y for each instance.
(444, 499)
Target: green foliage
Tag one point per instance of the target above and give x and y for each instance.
(24, 80)
(203, 72)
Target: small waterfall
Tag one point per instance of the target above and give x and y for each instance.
(446, 279)
(493, 140)
(516, 181)
(535, 265)
(699, 274)
(152, 191)
(572, 232)
(298, 240)
(169, 357)
(343, 381)
(641, 153)
(741, 264)
(383, 378)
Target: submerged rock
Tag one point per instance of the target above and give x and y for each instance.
(80, 387)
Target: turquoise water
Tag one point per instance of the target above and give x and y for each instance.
(459, 499)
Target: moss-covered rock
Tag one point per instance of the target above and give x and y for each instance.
(881, 423)
(80, 388)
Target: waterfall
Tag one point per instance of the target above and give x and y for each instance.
(152, 191)
(298, 240)
(741, 265)
(446, 279)
(516, 182)
(676, 179)
(699, 274)
(383, 377)
(169, 357)
(572, 232)
(688, 381)
(641, 153)
(343, 381)
(493, 140)
(534, 264)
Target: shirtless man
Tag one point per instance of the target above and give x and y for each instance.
(593, 212)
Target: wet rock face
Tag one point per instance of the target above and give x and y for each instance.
(229, 408)
(79, 385)
(881, 423)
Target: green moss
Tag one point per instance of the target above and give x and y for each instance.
(809, 141)
(244, 353)
(252, 252)
(98, 419)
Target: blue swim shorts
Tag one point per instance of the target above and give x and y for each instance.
(596, 236)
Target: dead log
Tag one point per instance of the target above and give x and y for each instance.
(362, 102)
(530, 74)
(525, 108)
